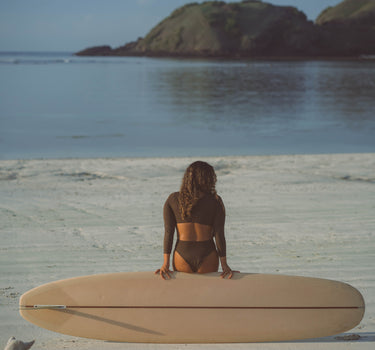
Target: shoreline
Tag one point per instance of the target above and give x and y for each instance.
(361, 57)
(183, 156)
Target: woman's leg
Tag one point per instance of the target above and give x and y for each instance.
(179, 263)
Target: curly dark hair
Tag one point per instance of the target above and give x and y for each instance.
(199, 178)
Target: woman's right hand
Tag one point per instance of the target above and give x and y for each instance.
(164, 272)
(227, 271)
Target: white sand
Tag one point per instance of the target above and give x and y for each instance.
(310, 215)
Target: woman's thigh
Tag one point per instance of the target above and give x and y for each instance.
(210, 263)
(179, 263)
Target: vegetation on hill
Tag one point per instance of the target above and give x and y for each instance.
(348, 10)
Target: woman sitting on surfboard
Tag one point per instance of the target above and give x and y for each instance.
(198, 213)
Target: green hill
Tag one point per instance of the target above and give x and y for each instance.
(216, 28)
(253, 28)
(348, 29)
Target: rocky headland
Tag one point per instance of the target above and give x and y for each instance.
(253, 28)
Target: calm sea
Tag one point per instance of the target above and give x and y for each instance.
(55, 105)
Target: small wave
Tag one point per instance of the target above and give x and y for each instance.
(78, 137)
(46, 58)
(368, 57)
(41, 62)
(16, 61)
(51, 61)
(8, 61)
(8, 176)
(357, 178)
(225, 167)
(86, 176)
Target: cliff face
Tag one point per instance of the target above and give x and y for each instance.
(249, 28)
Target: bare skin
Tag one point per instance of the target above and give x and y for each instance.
(197, 233)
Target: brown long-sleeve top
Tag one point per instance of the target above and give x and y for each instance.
(209, 210)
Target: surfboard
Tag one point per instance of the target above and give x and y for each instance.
(194, 308)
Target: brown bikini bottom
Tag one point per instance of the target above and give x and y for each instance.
(194, 252)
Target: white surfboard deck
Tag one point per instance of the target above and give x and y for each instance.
(194, 308)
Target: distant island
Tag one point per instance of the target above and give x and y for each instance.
(253, 28)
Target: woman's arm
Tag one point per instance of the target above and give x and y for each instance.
(219, 224)
(227, 271)
(169, 229)
(164, 270)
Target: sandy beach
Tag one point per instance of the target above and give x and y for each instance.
(309, 215)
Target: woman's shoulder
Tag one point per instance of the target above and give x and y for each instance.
(214, 198)
(173, 197)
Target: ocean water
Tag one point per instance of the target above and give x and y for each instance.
(56, 105)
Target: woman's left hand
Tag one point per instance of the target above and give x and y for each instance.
(227, 271)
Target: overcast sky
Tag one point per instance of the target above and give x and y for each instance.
(72, 25)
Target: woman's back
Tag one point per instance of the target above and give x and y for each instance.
(193, 231)
(206, 221)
